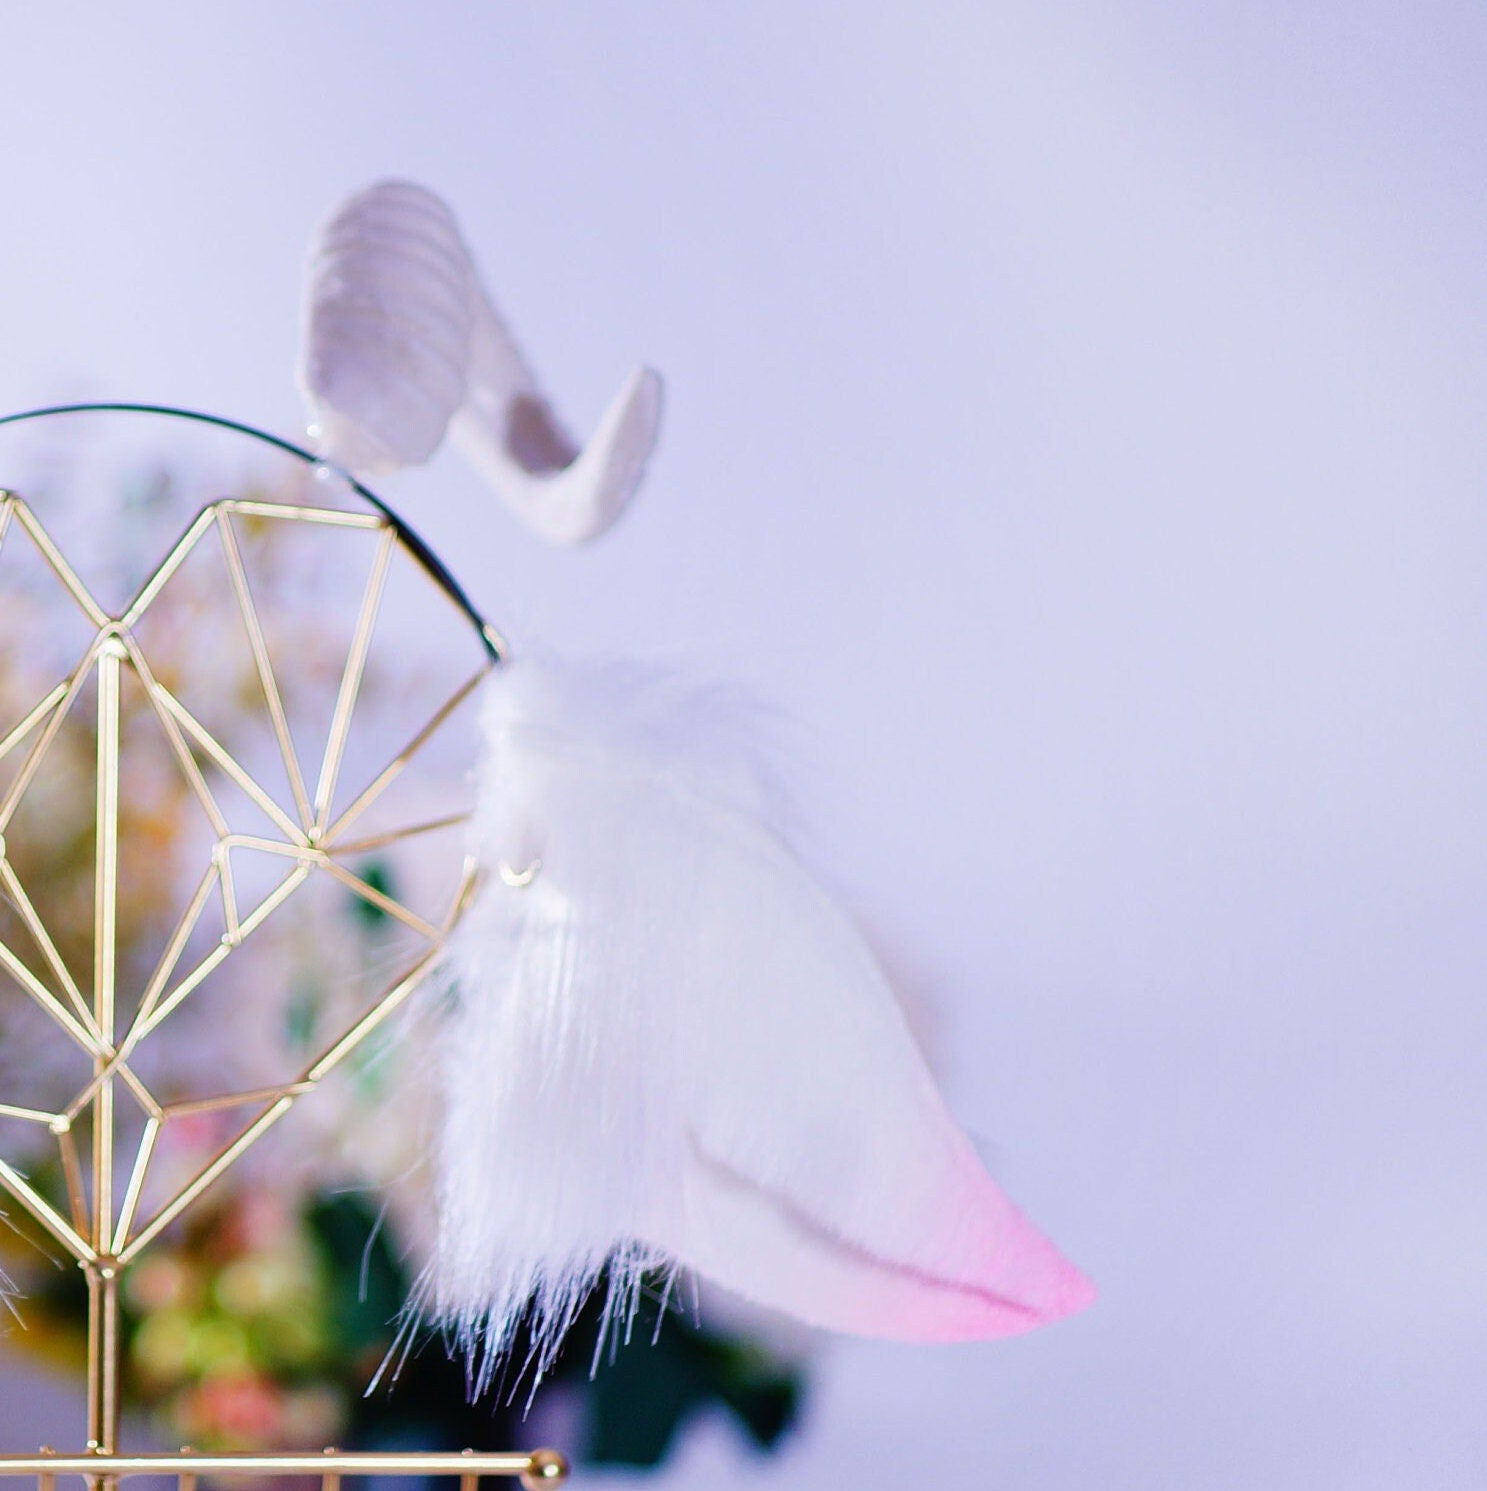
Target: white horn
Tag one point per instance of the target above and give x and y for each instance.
(509, 433)
(401, 343)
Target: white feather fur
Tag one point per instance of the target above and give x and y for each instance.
(669, 1046)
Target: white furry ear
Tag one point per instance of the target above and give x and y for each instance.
(669, 1046)
(401, 343)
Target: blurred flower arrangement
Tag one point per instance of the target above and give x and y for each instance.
(266, 1315)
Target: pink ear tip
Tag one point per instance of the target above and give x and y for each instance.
(1036, 1286)
(1025, 1282)
(1039, 1279)
(1056, 1291)
(1070, 1293)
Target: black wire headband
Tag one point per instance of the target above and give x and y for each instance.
(435, 567)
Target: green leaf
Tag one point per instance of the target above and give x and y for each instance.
(365, 1281)
(643, 1393)
(378, 875)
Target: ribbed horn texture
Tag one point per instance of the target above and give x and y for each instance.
(401, 345)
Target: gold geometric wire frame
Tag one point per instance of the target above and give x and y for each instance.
(103, 1231)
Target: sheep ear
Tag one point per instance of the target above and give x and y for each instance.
(402, 343)
(668, 1046)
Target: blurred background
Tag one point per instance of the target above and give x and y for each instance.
(1075, 425)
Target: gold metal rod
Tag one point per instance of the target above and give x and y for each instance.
(88, 1039)
(171, 957)
(103, 1364)
(108, 1386)
(142, 1094)
(315, 859)
(28, 724)
(111, 1064)
(81, 1099)
(235, 1099)
(356, 662)
(389, 773)
(396, 835)
(264, 666)
(329, 516)
(230, 919)
(203, 1178)
(42, 743)
(184, 989)
(167, 567)
(469, 879)
(374, 1017)
(43, 1211)
(72, 1175)
(223, 759)
(136, 1183)
(257, 1466)
(60, 567)
(16, 892)
(374, 897)
(103, 1302)
(306, 854)
(364, 1027)
(182, 752)
(271, 902)
(95, 1359)
(220, 953)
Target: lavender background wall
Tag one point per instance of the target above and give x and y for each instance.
(1076, 424)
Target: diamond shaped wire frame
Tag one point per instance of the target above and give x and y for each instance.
(306, 825)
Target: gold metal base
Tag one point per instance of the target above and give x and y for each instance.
(541, 1468)
(102, 1231)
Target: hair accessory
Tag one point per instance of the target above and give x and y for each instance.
(665, 1044)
